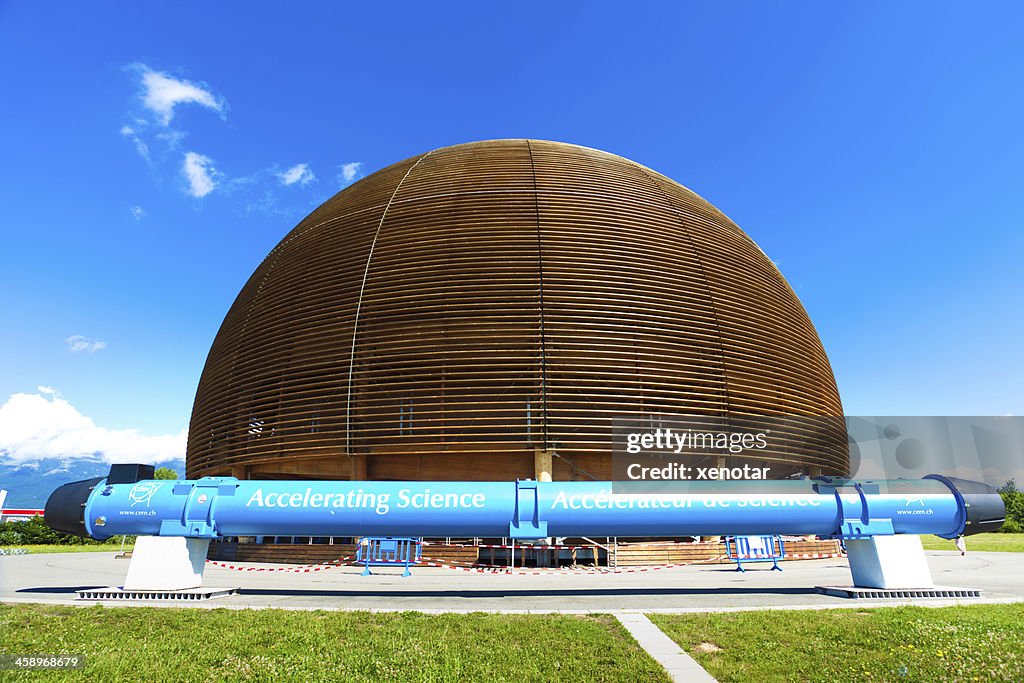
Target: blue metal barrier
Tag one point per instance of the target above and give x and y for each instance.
(742, 549)
(389, 551)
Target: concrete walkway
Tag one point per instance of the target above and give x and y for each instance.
(679, 665)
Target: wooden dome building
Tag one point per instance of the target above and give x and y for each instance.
(485, 311)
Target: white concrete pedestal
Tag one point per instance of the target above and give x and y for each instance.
(166, 563)
(889, 562)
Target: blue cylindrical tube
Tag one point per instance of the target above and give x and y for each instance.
(216, 506)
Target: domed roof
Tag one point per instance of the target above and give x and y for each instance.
(448, 315)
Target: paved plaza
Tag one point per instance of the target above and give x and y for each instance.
(55, 578)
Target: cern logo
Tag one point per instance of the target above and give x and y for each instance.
(143, 493)
(911, 499)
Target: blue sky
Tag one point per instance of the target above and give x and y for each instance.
(874, 151)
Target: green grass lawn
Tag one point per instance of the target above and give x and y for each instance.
(98, 548)
(154, 644)
(1007, 543)
(972, 643)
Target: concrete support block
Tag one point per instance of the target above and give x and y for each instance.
(889, 562)
(166, 563)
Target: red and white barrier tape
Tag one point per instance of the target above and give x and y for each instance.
(304, 569)
(559, 571)
(537, 571)
(558, 547)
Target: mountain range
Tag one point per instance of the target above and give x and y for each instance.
(30, 483)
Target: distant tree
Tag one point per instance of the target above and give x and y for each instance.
(165, 473)
(1014, 502)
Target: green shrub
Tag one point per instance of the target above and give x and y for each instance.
(9, 537)
(35, 532)
(1011, 526)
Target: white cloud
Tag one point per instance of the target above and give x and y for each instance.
(299, 173)
(349, 171)
(171, 137)
(140, 145)
(162, 93)
(201, 174)
(49, 391)
(154, 127)
(78, 343)
(33, 426)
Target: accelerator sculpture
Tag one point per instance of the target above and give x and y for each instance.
(175, 520)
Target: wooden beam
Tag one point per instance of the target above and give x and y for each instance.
(358, 467)
(542, 464)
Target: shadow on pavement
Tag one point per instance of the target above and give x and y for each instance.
(60, 589)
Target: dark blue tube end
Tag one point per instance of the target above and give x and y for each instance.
(984, 510)
(65, 508)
